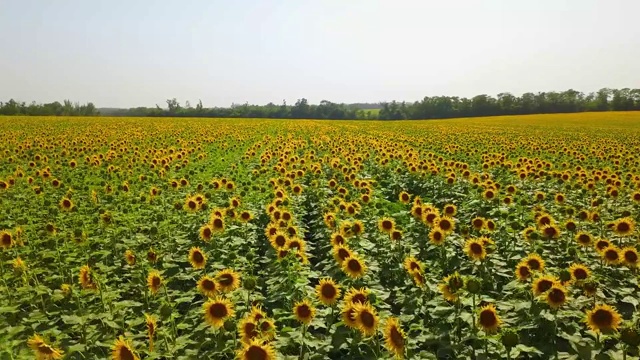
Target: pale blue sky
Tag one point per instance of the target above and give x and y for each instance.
(139, 53)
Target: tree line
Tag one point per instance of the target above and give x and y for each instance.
(67, 108)
(436, 107)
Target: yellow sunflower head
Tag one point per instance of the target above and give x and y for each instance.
(475, 249)
(394, 337)
(488, 319)
(556, 296)
(257, 349)
(123, 350)
(624, 226)
(154, 281)
(535, 262)
(227, 280)
(611, 255)
(327, 291)
(42, 350)
(207, 286)
(386, 225)
(603, 319)
(579, 272)
(366, 318)
(437, 236)
(354, 266)
(217, 311)
(630, 256)
(542, 284)
(304, 312)
(197, 258)
(523, 272)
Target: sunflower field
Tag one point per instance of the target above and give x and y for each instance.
(488, 238)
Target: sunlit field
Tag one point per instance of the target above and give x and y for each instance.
(135, 238)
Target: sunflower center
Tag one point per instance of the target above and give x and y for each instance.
(602, 244)
(550, 231)
(265, 326)
(6, 239)
(281, 240)
(226, 279)
(249, 330)
(478, 223)
(328, 291)
(206, 232)
(524, 271)
(208, 285)
(534, 264)
(303, 311)
(217, 223)
(396, 337)
(476, 248)
(66, 203)
(256, 352)
(602, 318)
(354, 265)
(343, 254)
(611, 255)
(445, 225)
(155, 281)
(198, 257)
(437, 236)
(218, 310)
(126, 354)
(631, 257)
(623, 227)
(294, 245)
(584, 239)
(368, 319)
(556, 296)
(414, 266)
(387, 225)
(488, 318)
(45, 349)
(545, 220)
(580, 274)
(544, 285)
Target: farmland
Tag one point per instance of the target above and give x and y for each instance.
(138, 238)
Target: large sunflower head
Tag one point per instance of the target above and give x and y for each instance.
(630, 256)
(154, 281)
(123, 350)
(542, 284)
(217, 311)
(603, 318)
(304, 312)
(579, 272)
(386, 225)
(248, 329)
(611, 255)
(279, 239)
(556, 296)
(412, 264)
(488, 319)
(87, 281)
(6, 239)
(257, 349)
(207, 286)
(327, 291)
(475, 249)
(357, 296)
(366, 318)
(354, 266)
(551, 231)
(197, 258)
(394, 337)
(348, 313)
(42, 350)
(446, 224)
(583, 238)
(535, 262)
(206, 232)
(523, 272)
(227, 280)
(478, 223)
(624, 226)
(602, 244)
(437, 236)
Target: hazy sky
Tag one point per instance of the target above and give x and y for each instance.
(139, 53)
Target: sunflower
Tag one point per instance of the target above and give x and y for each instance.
(396, 235)
(152, 256)
(257, 350)
(394, 337)
(528, 232)
(535, 262)
(551, 231)
(556, 296)
(337, 239)
(246, 216)
(154, 281)
(327, 291)
(542, 284)
(6, 239)
(603, 318)
(296, 244)
(152, 325)
(416, 211)
(584, 239)
(217, 310)
(357, 228)
(267, 329)
(437, 236)
(404, 197)
(248, 329)
(207, 286)
(366, 318)
(130, 257)
(630, 256)
(279, 240)
(430, 216)
(217, 224)
(348, 313)
(579, 272)
(86, 278)
(602, 244)
(475, 249)
(206, 233)
(66, 204)
(386, 225)
(488, 319)
(478, 223)
(570, 225)
(446, 224)
(418, 278)
(448, 292)
(624, 226)
(357, 296)
(412, 264)
(123, 350)
(611, 255)
(42, 350)
(197, 258)
(354, 267)
(523, 272)
(304, 311)
(590, 288)
(227, 280)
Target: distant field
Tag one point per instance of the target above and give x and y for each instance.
(179, 238)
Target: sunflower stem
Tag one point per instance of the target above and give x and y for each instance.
(304, 332)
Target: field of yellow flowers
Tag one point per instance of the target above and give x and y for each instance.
(491, 238)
